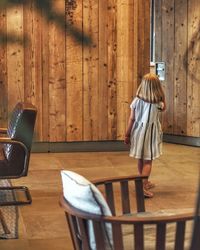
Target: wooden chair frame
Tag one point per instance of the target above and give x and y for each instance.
(77, 220)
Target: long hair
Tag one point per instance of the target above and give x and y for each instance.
(150, 89)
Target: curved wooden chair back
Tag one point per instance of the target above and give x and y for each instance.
(122, 205)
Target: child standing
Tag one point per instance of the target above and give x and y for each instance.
(144, 133)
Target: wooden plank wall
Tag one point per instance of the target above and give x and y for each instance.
(3, 71)
(79, 62)
(178, 45)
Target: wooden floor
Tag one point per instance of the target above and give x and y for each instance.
(42, 225)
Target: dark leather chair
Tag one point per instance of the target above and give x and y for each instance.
(16, 141)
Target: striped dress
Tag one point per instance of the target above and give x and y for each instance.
(146, 133)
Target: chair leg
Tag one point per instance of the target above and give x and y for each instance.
(3, 223)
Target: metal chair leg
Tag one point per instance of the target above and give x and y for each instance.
(16, 201)
(3, 223)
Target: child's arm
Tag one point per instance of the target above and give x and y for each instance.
(130, 125)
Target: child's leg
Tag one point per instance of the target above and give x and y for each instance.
(147, 165)
(140, 166)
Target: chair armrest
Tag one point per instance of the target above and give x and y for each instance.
(143, 217)
(118, 179)
(3, 130)
(8, 140)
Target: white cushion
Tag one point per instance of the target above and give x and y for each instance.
(84, 195)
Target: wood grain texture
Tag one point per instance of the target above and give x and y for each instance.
(122, 66)
(57, 86)
(45, 77)
(112, 70)
(82, 89)
(33, 62)
(143, 38)
(146, 59)
(158, 41)
(141, 42)
(15, 56)
(158, 31)
(180, 74)
(193, 88)
(91, 72)
(167, 56)
(74, 77)
(57, 73)
(3, 72)
(103, 69)
(177, 44)
(135, 45)
(131, 86)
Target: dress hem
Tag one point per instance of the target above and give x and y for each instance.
(145, 158)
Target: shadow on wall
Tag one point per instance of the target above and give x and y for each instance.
(50, 14)
(192, 56)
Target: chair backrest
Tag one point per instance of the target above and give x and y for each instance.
(20, 128)
(162, 230)
(139, 232)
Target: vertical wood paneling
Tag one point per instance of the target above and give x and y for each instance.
(177, 23)
(131, 88)
(45, 77)
(3, 72)
(122, 63)
(103, 69)
(33, 62)
(57, 86)
(82, 91)
(193, 88)
(74, 77)
(112, 69)
(135, 45)
(91, 72)
(146, 59)
(158, 40)
(167, 56)
(15, 56)
(143, 38)
(141, 42)
(158, 31)
(138, 43)
(180, 74)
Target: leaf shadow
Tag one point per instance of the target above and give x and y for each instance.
(51, 15)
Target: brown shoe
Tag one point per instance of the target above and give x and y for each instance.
(147, 193)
